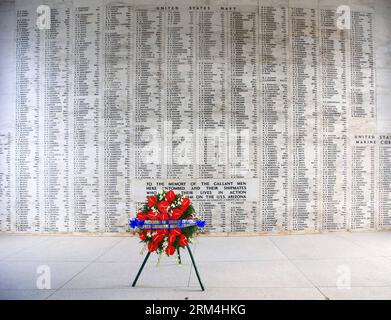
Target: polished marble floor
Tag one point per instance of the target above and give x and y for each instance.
(317, 266)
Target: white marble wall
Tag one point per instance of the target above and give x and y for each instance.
(78, 104)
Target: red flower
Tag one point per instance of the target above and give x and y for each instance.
(170, 196)
(152, 246)
(152, 201)
(183, 241)
(185, 204)
(152, 215)
(171, 237)
(176, 231)
(170, 250)
(157, 237)
(142, 236)
(141, 216)
(163, 216)
(173, 234)
(176, 214)
(163, 206)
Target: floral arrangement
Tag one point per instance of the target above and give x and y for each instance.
(167, 222)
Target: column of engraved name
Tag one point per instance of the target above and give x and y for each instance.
(304, 118)
(117, 60)
(27, 211)
(363, 181)
(362, 122)
(179, 99)
(362, 77)
(147, 94)
(55, 133)
(211, 153)
(86, 92)
(333, 121)
(242, 215)
(273, 39)
(5, 181)
(384, 180)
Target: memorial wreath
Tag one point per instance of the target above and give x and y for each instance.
(166, 223)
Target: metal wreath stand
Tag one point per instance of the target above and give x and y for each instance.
(166, 224)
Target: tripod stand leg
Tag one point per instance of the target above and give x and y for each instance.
(141, 269)
(195, 268)
(179, 256)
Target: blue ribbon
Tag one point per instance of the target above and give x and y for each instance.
(134, 223)
(166, 224)
(201, 223)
